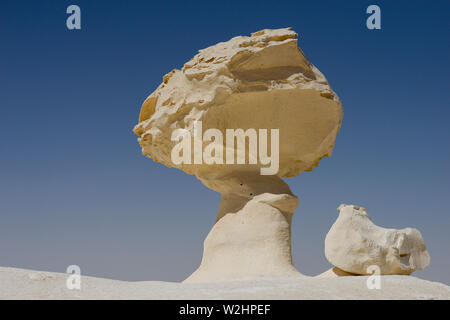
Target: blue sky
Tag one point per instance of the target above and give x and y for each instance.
(75, 189)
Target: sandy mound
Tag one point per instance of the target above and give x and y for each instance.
(28, 284)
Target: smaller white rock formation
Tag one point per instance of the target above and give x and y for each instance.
(354, 243)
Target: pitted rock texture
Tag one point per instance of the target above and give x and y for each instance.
(354, 243)
(262, 82)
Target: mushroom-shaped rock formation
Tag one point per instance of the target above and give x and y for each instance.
(354, 243)
(241, 115)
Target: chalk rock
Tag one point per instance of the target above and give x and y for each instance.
(261, 82)
(14, 284)
(254, 243)
(354, 243)
(335, 272)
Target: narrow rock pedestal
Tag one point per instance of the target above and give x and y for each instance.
(253, 242)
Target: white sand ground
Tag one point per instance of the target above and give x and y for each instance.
(28, 284)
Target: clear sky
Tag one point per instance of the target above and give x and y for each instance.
(75, 189)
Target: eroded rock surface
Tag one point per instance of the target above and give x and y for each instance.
(354, 243)
(262, 82)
